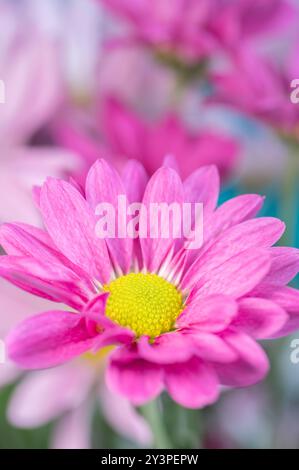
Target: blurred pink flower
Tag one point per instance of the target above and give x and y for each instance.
(123, 134)
(30, 71)
(38, 399)
(261, 87)
(181, 320)
(194, 29)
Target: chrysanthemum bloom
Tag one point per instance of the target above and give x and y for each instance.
(260, 86)
(27, 59)
(194, 29)
(123, 133)
(181, 320)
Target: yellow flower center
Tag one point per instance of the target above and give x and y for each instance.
(145, 303)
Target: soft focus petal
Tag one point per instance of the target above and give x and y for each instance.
(42, 396)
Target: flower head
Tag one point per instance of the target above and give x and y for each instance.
(180, 319)
(194, 29)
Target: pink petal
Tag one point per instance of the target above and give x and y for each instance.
(124, 418)
(236, 276)
(47, 280)
(48, 339)
(260, 318)
(232, 212)
(103, 185)
(73, 430)
(164, 186)
(251, 366)
(42, 396)
(203, 186)
(124, 131)
(23, 239)
(138, 380)
(261, 233)
(284, 266)
(135, 180)
(192, 384)
(212, 313)
(166, 349)
(210, 347)
(71, 225)
(288, 299)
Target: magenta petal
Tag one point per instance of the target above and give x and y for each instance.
(104, 185)
(192, 384)
(211, 347)
(135, 180)
(71, 225)
(164, 187)
(251, 366)
(260, 318)
(213, 313)
(166, 349)
(22, 239)
(48, 339)
(138, 380)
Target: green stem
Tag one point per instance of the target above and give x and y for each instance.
(154, 415)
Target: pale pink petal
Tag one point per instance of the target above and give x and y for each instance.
(104, 185)
(251, 366)
(48, 339)
(71, 225)
(8, 373)
(260, 318)
(164, 187)
(138, 380)
(192, 384)
(73, 430)
(42, 396)
(213, 313)
(124, 418)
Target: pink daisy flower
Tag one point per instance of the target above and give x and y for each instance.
(182, 320)
(123, 134)
(195, 29)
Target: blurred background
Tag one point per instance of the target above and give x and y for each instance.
(205, 81)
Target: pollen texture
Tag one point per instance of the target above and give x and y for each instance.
(145, 303)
